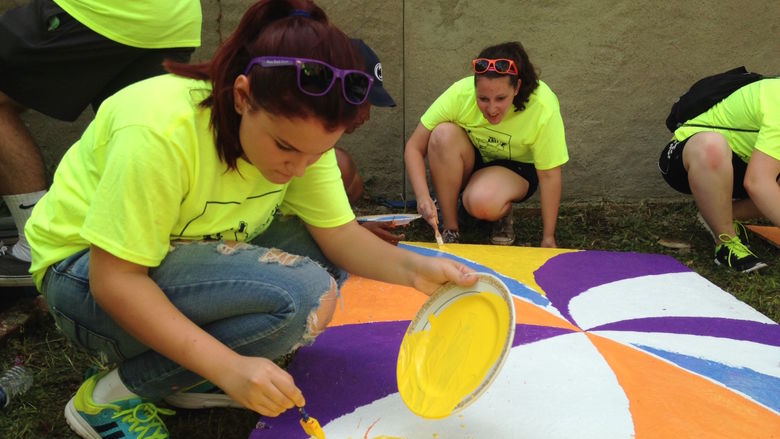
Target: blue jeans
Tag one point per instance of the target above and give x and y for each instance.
(246, 297)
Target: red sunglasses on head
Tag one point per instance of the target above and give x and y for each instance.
(501, 65)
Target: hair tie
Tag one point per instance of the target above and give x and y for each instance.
(300, 13)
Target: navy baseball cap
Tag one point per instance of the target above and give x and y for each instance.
(378, 95)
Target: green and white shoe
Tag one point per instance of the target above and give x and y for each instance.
(131, 418)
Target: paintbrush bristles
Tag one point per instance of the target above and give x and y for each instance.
(439, 241)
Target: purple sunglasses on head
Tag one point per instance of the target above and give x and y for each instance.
(316, 78)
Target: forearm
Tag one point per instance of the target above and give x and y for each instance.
(361, 259)
(767, 200)
(761, 184)
(550, 191)
(415, 168)
(370, 257)
(414, 158)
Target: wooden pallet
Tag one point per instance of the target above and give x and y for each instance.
(770, 233)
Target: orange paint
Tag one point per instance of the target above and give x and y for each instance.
(698, 404)
(770, 233)
(370, 301)
(530, 314)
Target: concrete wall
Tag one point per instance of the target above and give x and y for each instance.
(616, 66)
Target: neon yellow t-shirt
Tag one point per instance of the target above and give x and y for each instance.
(148, 24)
(146, 172)
(755, 106)
(534, 135)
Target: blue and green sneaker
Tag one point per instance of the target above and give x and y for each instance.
(126, 419)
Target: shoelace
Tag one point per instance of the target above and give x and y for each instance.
(741, 230)
(735, 246)
(3, 249)
(144, 418)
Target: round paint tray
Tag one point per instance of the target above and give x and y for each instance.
(397, 219)
(455, 347)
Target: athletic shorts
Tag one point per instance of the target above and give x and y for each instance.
(525, 170)
(671, 165)
(53, 64)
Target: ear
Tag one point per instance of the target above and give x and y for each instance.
(241, 93)
(517, 87)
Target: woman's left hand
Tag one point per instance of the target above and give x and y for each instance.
(435, 272)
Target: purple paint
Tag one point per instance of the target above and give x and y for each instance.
(764, 333)
(354, 365)
(527, 334)
(565, 276)
(346, 368)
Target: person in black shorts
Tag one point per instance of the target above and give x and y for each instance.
(490, 140)
(728, 158)
(58, 65)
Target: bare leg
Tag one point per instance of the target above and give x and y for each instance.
(21, 164)
(490, 192)
(707, 158)
(451, 160)
(745, 210)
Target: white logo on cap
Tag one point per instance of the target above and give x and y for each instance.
(378, 70)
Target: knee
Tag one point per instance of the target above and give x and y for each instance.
(320, 318)
(710, 150)
(442, 136)
(482, 205)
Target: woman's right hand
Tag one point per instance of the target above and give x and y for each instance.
(427, 209)
(260, 385)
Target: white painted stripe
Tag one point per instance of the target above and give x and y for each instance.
(674, 294)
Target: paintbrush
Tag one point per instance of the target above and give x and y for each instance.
(437, 234)
(310, 425)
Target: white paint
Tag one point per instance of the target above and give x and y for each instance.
(674, 294)
(555, 388)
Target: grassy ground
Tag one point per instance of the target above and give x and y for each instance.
(59, 368)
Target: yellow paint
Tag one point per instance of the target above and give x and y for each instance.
(519, 263)
(440, 366)
(312, 427)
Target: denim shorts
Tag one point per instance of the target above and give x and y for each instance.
(255, 304)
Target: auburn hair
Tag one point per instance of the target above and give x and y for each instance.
(525, 70)
(292, 28)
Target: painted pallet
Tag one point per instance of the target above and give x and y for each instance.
(607, 344)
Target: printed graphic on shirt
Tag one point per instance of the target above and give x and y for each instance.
(241, 218)
(491, 143)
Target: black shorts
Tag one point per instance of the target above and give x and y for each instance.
(53, 64)
(671, 165)
(525, 170)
